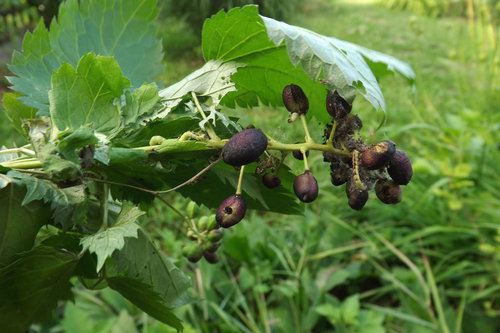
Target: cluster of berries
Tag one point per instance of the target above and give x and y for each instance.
(206, 238)
(352, 162)
(380, 165)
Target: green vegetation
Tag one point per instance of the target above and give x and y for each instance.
(430, 264)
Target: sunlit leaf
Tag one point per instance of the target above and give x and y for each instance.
(105, 242)
(123, 29)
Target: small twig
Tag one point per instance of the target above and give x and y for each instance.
(190, 180)
(278, 168)
(304, 157)
(306, 129)
(18, 150)
(186, 220)
(332, 134)
(240, 180)
(210, 130)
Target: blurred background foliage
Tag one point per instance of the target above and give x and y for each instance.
(430, 264)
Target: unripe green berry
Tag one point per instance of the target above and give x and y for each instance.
(210, 246)
(215, 235)
(192, 252)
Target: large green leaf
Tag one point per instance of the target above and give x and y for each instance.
(16, 111)
(105, 242)
(142, 295)
(68, 204)
(124, 29)
(19, 223)
(85, 95)
(276, 54)
(32, 285)
(148, 279)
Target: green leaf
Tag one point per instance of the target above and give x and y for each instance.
(329, 311)
(20, 223)
(70, 144)
(122, 29)
(350, 309)
(68, 204)
(139, 103)
(16, 111)
(276, 54)
(145, 299)
(85, 96)
(32, 285)
(104, 243)
(140, 260)
(119, 155)
(213, 80)
(149, 280)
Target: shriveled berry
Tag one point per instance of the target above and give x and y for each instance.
(305, 187)
(271, 180)
(295, 100)
(215, 235)
(211, 257)
(348, 125)
(86, 156)
(357, 198)
(231, 211)
(336, 106)
(244, 147)
(388, 192)
(378, 155)
(339, 173)
(400, 168)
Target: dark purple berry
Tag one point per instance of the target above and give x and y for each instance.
(336, 106)
(211, 257)
(378, 155)
(298, 154)
(244, 147)
(388, 192)
(357, 198)
(400, 168)
(231, 211)
(295, 100)
(305, 187)
(271, 180)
